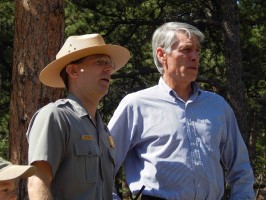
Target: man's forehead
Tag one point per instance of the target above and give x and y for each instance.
(95, 56)
(184, 38)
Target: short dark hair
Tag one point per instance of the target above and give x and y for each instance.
(64, 76)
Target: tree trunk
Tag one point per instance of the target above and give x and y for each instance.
(39, 34)
(233, 61)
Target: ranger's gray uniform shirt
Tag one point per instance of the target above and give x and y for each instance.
(80, 154)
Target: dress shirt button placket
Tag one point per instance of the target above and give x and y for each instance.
(195, 157)
(192, 144)
(198, 164)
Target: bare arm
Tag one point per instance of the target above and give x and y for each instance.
(39, 184)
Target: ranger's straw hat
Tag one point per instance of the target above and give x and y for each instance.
(8, 171)
(76, 47)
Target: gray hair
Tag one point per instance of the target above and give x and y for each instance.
(165, 37)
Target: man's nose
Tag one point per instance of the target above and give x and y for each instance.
(108, 68)
(194, 55)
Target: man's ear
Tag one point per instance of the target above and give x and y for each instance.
(161, 55)
(72, 71)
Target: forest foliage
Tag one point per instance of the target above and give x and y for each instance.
(131, 24)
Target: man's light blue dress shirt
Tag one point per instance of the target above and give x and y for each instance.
(176, 148)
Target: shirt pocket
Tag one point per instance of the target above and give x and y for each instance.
(86, 162)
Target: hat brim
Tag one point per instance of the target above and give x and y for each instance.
(50, 75)
(17, 171)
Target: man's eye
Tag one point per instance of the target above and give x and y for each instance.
(4, 190)
(185, 50)
(102, 62)
(99, 61)
(105, 62)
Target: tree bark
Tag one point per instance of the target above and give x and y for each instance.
(233, 63)
(39, 34)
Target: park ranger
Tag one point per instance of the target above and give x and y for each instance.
(68, 142)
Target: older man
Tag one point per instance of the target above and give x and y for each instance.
(174, 137)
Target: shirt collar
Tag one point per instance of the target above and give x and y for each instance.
(77, 105)
(170, 91)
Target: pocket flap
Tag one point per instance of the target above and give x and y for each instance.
(86, 148)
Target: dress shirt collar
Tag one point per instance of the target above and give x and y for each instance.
(170, 91)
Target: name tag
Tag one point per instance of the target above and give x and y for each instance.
(87, 137)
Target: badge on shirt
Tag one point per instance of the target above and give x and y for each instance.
(111, 141)
(87, 137)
